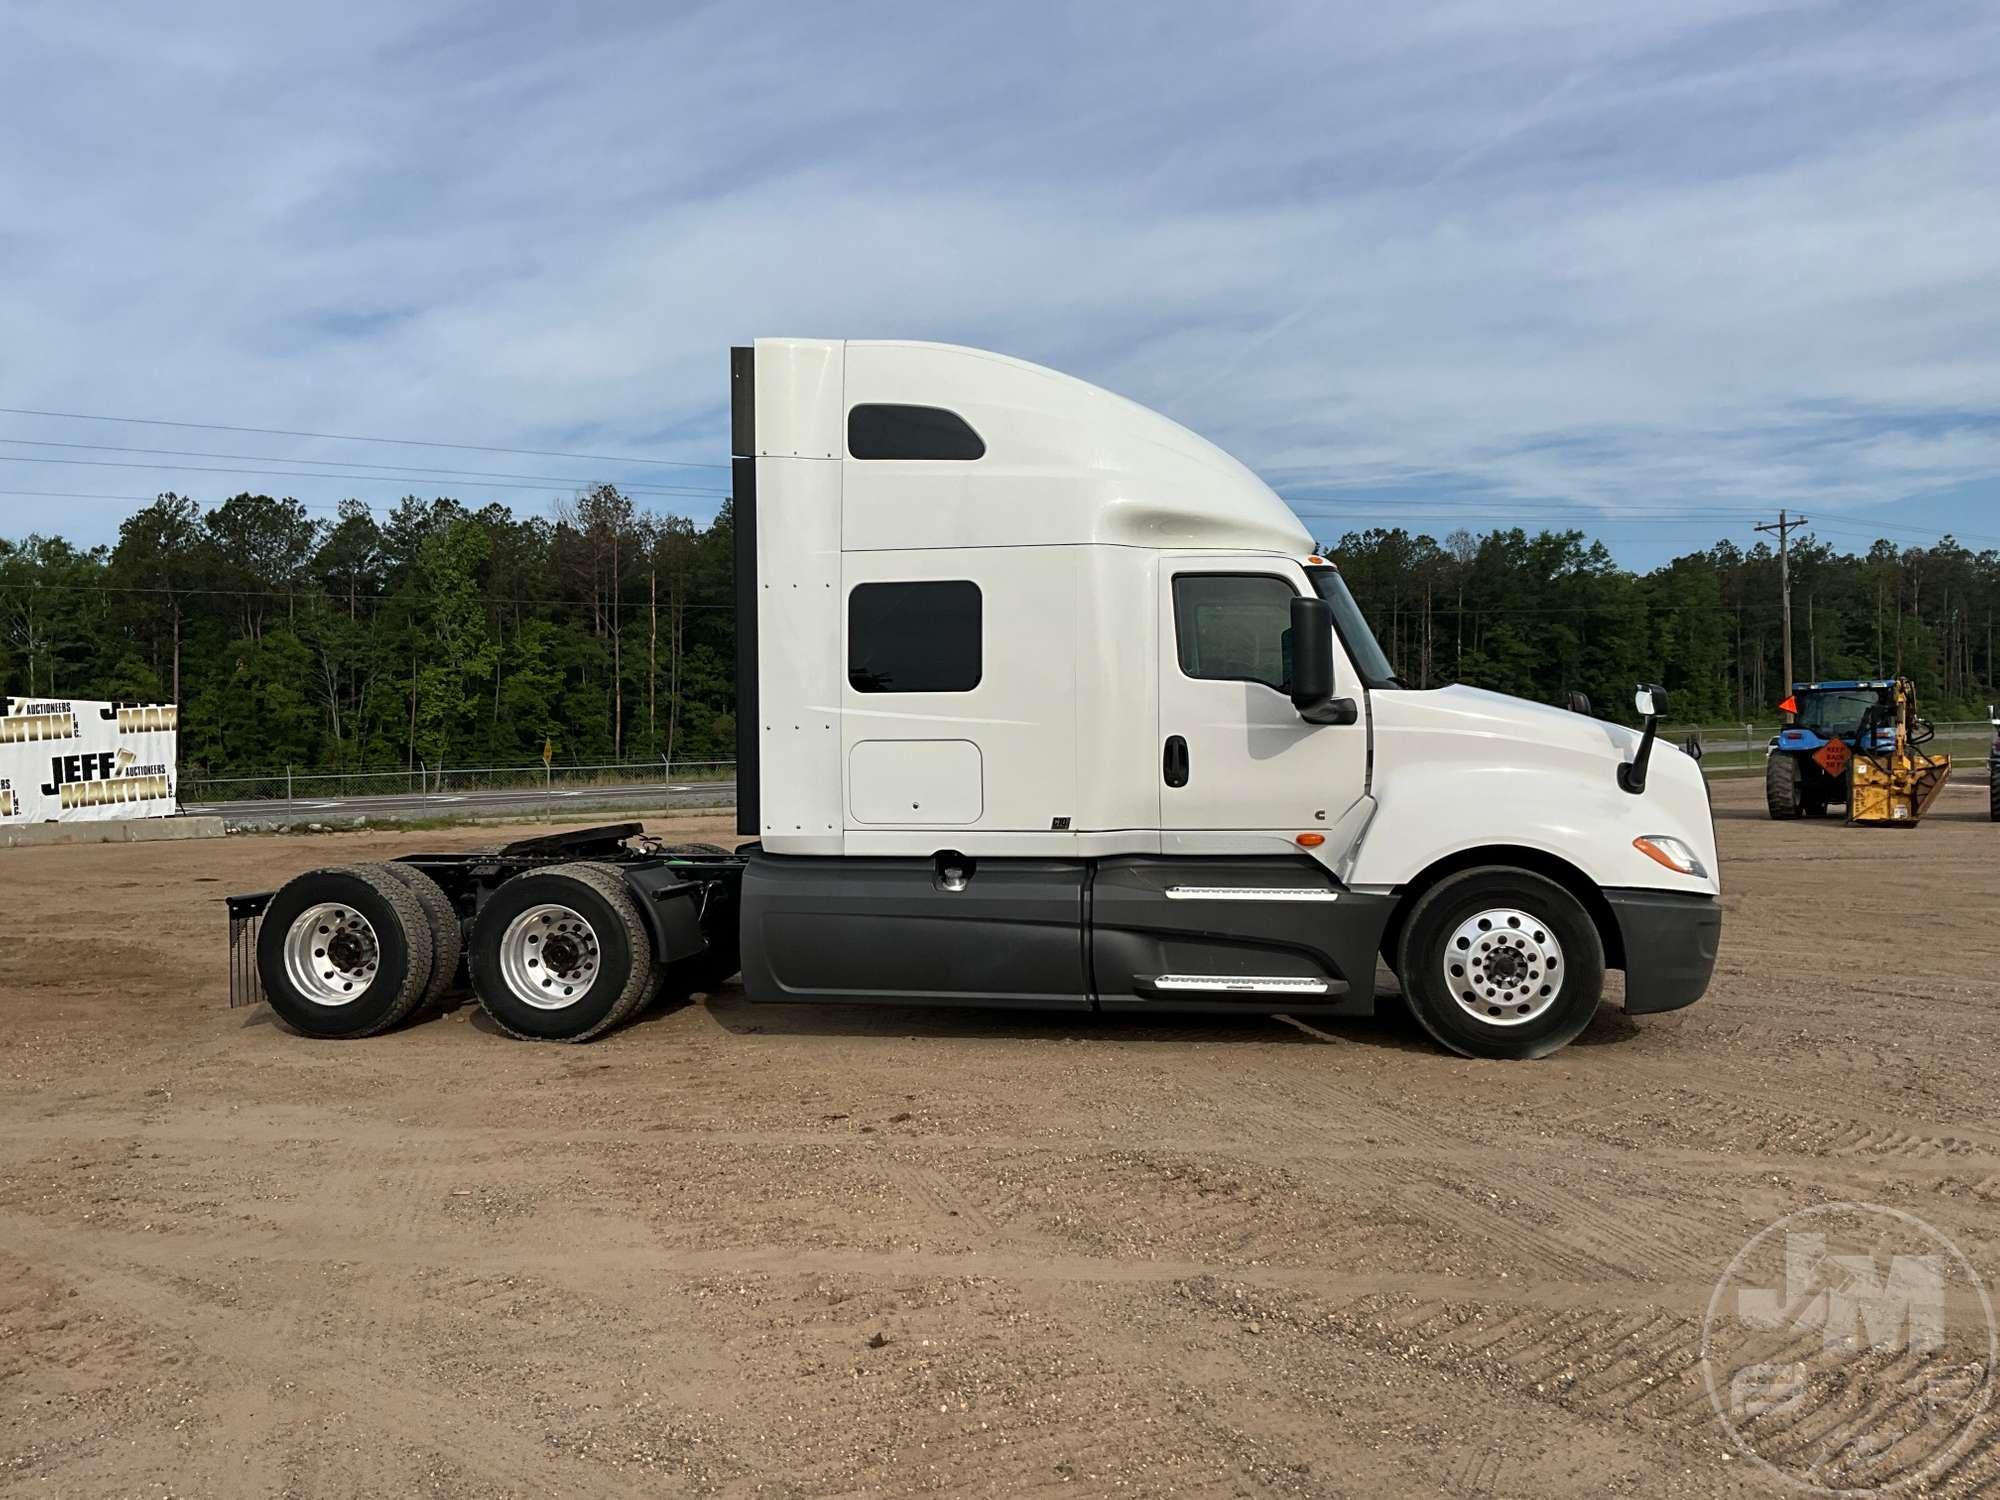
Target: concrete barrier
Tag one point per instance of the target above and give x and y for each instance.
(116, 831)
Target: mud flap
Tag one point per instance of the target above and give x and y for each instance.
(246, 915)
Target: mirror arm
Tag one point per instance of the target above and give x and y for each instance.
(1332, 711)
(1632, 774)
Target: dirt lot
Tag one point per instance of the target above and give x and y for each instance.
(749, 1250)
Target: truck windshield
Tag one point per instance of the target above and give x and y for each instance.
(1362, 647)
(1831, 711)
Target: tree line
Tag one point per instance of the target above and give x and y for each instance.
(440, 635)
(444, 635)
(1548, 614)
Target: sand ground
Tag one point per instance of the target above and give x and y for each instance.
(767, 1250)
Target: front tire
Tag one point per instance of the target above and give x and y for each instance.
(561, 955)
(1501, 962)
(1783, 795)
(344, 952)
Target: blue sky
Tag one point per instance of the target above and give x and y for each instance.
(1652, 271)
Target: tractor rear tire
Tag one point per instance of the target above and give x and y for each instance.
(447, 932)
(1783, 794)
(344, 952)
(1993, 793)
(561, 954)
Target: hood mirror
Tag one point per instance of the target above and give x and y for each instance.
(1651, 702)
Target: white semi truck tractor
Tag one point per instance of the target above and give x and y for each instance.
(1045, 702)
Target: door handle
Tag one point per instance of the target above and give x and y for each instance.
(1174, 762)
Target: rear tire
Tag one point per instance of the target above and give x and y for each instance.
(1501, 962)
(561, 955)
(447, 932)
(1783, 795)
(344, 952)
(1993, 793)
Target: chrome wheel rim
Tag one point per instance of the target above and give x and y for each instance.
(1503, 967)
(549, 956)
(331, 954)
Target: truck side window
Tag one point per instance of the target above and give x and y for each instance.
(880, 431)
(1233, 626)
(914, 637)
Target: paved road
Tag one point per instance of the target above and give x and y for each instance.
(279, 812)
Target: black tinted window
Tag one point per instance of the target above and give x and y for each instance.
(1234, 626)
(877, 431)
(913, 637)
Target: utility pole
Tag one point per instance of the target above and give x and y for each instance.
(1784, 526)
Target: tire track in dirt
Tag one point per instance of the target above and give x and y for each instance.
(309, 1377)
(1576, 1238)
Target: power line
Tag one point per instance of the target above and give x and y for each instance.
(1493, 519)
(316, 593)
(340, 437)
(452, 474)
(101, 463)
(143, 500)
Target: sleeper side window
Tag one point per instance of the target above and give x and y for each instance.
(914, 637)
(879, 430)
(1234, 626)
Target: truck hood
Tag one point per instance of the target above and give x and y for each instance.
(1469, 710)
(1460, 768)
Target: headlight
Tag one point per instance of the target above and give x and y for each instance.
(1670, 852)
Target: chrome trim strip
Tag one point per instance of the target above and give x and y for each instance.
(1263, 984)
(1250, 893)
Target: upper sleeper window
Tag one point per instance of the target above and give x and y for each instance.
(880, 431)
(914, 637)
(1234, 626)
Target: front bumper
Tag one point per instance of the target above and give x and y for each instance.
(1670, 940)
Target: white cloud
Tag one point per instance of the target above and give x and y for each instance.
(1692, 256)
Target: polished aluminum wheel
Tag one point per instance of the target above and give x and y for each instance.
(1504, 966)
(548, 956)
(331, 953)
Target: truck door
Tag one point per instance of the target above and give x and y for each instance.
(1235, 757)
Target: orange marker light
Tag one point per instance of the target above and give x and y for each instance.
(1310, 840)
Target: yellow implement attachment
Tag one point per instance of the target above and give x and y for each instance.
(1896, 786)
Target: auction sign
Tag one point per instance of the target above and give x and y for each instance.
(65, 760)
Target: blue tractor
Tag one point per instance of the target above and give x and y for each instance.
(1993, 765)
(1808, 767)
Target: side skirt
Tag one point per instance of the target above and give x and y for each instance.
(1252, 935)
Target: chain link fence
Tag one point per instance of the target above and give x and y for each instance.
(1740, 747)
(197, 790)
(1724, 748)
